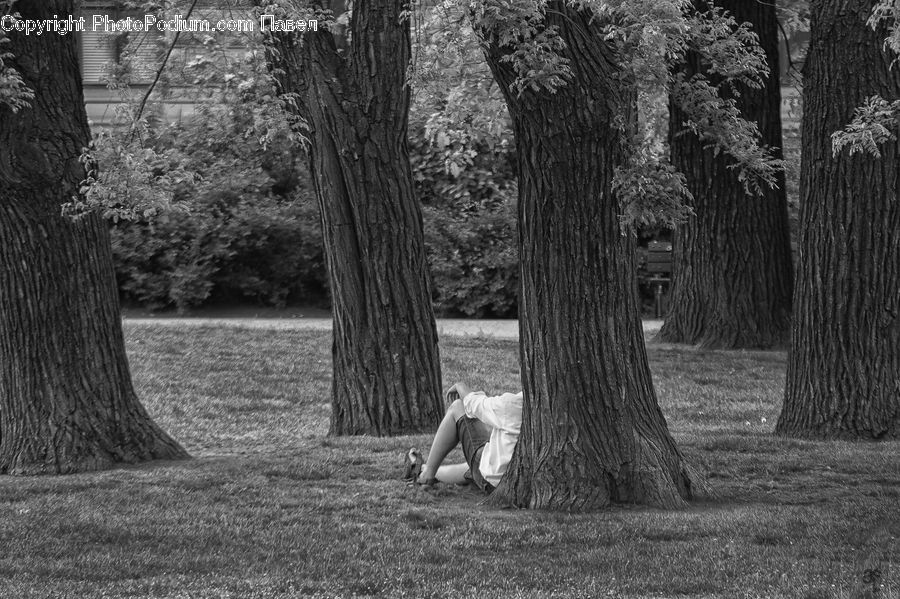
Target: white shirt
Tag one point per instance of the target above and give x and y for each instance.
(503, 414)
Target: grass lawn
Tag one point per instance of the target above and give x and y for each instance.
(271, 507)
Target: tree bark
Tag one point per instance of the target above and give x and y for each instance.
(843, 375)
(67, 403)
(732, 270)
(592, 431)
(355, 102)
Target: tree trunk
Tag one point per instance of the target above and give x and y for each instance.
(732, 278)
(67, 403)
(843, 375)
(355, 102)
(592, 431)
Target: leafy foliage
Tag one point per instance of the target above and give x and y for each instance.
(217, 207)
(457, 104)
(467, 186)
(718, 122)
(231, 247)
(246, 226)
(474, 261)
(887, 13)
(876, 122)
(14, 93)
(536, 49)
(730, 54)
(461, 151)
(648, 37)
(652, 193)
(214, 206)
(131, 174)
(462, 155)
(138, 183)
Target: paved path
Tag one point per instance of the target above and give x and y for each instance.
(500, 329)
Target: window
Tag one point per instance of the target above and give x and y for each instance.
(101, 50)
(98, 49)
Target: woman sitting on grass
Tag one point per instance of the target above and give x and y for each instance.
(486, 427)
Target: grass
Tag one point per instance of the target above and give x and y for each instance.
(271, 507)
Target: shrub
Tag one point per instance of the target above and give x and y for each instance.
(229, 248)
(220, 203)
(474, 261)
(469, 215)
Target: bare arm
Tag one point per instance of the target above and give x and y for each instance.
(458, 391)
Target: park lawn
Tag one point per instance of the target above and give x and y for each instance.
(271, 507)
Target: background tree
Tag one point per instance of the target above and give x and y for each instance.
(67, 403)
(732, 279)
(843, 377)
(348, 82)
(593, 432)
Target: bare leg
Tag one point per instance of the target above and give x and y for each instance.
(445, 439)
(452, 474)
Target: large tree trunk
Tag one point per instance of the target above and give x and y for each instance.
(843, 375)
(355, 102)
(732, 279)
(593, 432)
(67, 403)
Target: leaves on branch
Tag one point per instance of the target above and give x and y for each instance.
(887, 14)
(730, 49)
(535, 48)
(651, 193)
(719, 123)
(144, 166)
(139, 183)
(456, 103)
(876, 122)
(14, 93)
(460, 110)
(649, 37)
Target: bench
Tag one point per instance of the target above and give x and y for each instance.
(659, 266)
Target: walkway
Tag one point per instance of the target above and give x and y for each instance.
(500, 329)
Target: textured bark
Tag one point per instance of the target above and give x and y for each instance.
(67, 403)
(592, 430)
(732, 279)
(843, 376)
(355, 102)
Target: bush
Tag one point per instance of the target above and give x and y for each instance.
(217, 206)
(474, 262)
(470, 230)
(228, 248)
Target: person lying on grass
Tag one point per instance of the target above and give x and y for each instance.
(486, 427)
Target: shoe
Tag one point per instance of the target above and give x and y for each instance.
(413, 463)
